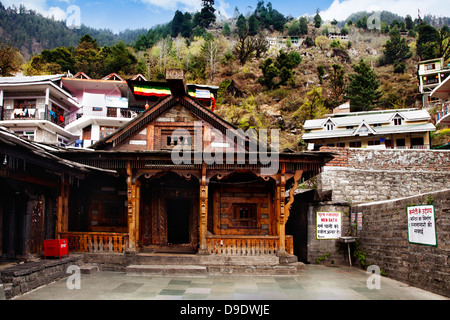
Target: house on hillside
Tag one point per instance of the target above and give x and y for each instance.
(431, 74)
(104, 106)
(37, 108)
(387, 129)
(442, 93)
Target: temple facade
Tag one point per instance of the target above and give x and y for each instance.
(185, 179)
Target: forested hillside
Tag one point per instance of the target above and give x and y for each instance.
(262, 85)
(31, 33)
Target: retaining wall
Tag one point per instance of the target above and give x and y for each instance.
(384, 241)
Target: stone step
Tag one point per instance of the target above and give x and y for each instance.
(193, 259)
(89, 268)
(192, 270)
(165, 270)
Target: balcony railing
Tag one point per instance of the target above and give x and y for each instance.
(247, 245)
(34, 114)
(119, 113)
(96, 241)
(443, 112)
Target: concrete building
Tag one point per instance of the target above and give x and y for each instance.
(386, 129)
(431, 74)
(37, 108)
(442, 92)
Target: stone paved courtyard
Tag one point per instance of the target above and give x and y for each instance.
(316, 283)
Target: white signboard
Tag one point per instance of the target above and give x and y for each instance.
(421, 225)
(328, 225)
(118, 102)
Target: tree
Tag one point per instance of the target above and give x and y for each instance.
(207, 14)
(241, 26)
(270, 72)
(303, 24)
(363, 88)
(10, 61)
(294, 28)
(443, 44)
(396, 50)
(244, 48)
(409, 23)
(337, 82)
(320, 72)
(226, 31)
(313, 107)
(317, 19)
(253, 25)
(426, 42)
(282, 67)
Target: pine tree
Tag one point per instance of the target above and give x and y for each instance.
(317, 19)
(396, 49)
(363, 88)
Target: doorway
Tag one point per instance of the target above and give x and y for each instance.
(178, 212)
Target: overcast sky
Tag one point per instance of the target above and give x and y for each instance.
(118, 15)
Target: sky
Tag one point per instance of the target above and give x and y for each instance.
(119, 15)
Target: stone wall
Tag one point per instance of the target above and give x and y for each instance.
(22, 278)
(384, 242)
(328, 252)
(363, 175)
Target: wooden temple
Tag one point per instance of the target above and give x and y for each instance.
(184, 177)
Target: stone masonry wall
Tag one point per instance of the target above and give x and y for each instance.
(384, 242)
(328, 252)
(363, 175)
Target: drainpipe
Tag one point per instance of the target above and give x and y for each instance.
(1, 105)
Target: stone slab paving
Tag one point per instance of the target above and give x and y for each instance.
(316, 283)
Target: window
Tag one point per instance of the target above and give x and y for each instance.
(26, 134)
(430, 66)
(329, 125)
(106, 131)
(244, 215)
(400, 143)
(431, 80)
(374, 143)
(180, 140)
(355, 144)
(398, 120)
(25, 108)
(62, 141)
(183, 136)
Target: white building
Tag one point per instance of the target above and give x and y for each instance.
(387, 129)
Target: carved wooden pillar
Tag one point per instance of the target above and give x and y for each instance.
(62, 214)
(203, 212)
(132, 205)
(280, 205)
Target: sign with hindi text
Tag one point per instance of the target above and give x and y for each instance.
(328, 225)
(421, 225)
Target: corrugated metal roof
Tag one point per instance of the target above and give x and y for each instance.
(357, 118)
(377, 131)
(29, 79)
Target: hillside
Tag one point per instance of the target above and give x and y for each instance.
(31, 33)
(213, 52)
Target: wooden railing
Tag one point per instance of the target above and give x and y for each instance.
(106, 242)
(247, 245)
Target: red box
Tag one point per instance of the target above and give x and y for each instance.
(56, 248)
